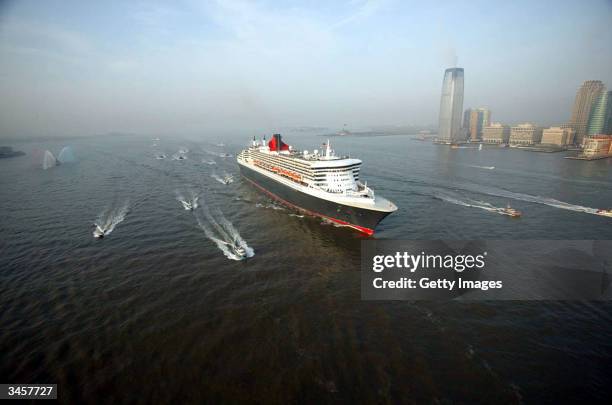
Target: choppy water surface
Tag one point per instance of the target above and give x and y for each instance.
(161, 299)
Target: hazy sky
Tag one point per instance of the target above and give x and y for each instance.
(85, 67)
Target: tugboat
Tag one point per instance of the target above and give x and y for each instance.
(511, 212)
(605, 213)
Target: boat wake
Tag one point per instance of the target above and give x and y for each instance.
(189, 204)
(226, 179)
(535, 199)
(209, 161)
(218, 154)
(467, 202)
(221, 231)
(271, 206)
(109, 219)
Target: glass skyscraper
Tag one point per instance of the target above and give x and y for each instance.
(451, 106)
(600, 114)
(586, 96)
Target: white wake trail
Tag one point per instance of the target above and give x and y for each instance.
(109, 219)
(536, 199)
(483, 205)
(223, 234)
(187, 203)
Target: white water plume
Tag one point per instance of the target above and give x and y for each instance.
(109, 219)
(223, 233)
(66, 155)
(48, 160)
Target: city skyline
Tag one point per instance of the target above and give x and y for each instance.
(150, 67)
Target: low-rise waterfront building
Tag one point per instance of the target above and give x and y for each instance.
(558, 136)
(496, 133)
(525, 134)
(596, 146)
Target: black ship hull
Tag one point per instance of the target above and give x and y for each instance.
(361, 219)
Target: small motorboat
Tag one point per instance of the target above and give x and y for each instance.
(162, 156)
(228, 179)
(237, 249)
(511, 212)
(98, 232)
(605, 213)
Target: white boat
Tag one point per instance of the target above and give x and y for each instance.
(605, 213)
(511, 212)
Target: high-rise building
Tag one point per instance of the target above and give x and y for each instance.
(466, 120)
(600, 114)
(451, 106)
(585, 97)
(496, 133)
(525, 134)
(478, 118)
(558, 136)
(475, 129)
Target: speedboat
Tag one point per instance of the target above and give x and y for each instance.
(238, 250)
(99, 232)
(228, 179)
(187, 205)
(605, 213)
(511, 212)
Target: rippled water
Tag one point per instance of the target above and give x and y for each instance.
(156, 312)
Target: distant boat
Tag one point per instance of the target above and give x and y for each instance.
(605, 213)
(511, 212)
(480, 147)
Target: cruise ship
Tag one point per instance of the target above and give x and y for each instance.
(319, 183)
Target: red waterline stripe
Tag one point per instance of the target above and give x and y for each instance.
(361, 229)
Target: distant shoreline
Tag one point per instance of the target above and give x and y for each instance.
(366, 134)
(8, 152)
